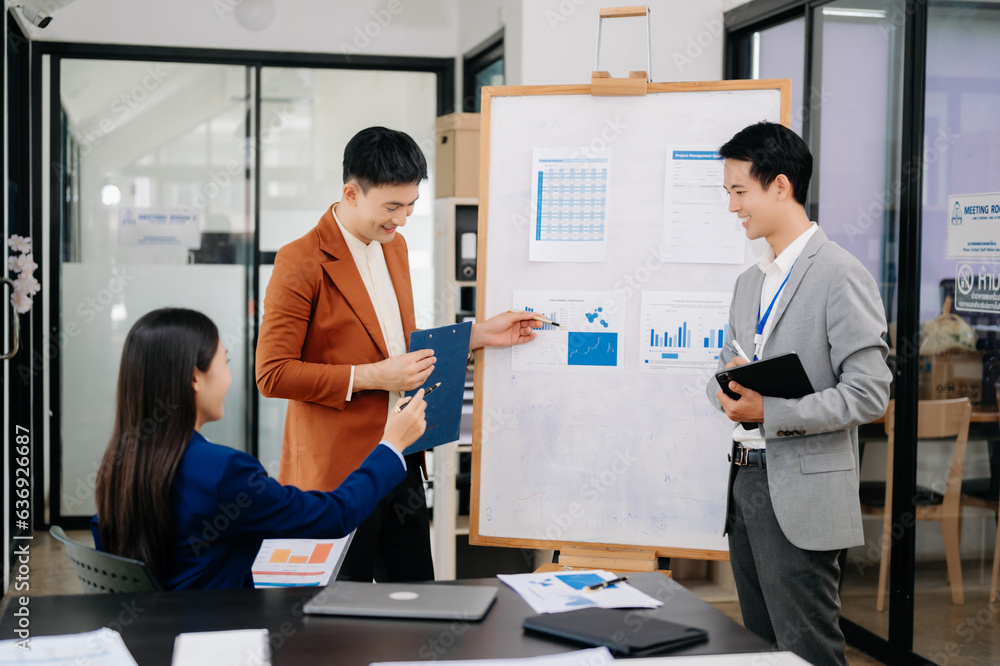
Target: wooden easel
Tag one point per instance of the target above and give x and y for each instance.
(601, 82)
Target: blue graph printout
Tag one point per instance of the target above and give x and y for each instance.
(588, 338)
(682, 331)
(569, 204)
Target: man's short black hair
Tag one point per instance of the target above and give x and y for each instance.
(772, 149)
(379, 156)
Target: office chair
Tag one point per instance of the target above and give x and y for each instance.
(103, 572)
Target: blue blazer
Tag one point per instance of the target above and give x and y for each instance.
(225, 504)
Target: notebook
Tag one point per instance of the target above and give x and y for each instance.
(414, 600)
(624, 632)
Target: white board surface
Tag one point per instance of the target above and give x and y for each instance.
(623, 458)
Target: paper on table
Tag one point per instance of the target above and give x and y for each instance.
(560, 592)
(745, 659)
(298, 562)
(592, 657)
(236, 647)
(103, 646)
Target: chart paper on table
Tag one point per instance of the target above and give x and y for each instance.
(698, 227)
(298, 562)
(588, 340)
(682, 331)
(569, 200)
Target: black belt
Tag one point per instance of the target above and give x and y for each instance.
(750, 457)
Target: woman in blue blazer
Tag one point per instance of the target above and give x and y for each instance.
(196, 512)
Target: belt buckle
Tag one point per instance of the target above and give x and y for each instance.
(742, 456)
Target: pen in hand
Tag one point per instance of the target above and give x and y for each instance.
(407, 399)
(536, 317)
(606, 583)
(739, 350)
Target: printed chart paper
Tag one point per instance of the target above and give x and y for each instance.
(297, 562)
(569, 200)
(560, 592)
(588, 340)
(682, 331)
(698, 227)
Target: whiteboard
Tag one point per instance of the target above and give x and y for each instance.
(625, 458)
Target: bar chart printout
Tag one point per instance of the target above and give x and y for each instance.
(682, 331)
(588, 339)
(569, 204)
(297, 562)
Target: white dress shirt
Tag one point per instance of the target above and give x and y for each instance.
(375, 274)
(775, 270)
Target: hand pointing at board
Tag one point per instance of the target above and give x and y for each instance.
(504, 330)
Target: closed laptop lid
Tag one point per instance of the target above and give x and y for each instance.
(416, 600)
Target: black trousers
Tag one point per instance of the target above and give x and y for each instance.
(394, 543)
(788, 596)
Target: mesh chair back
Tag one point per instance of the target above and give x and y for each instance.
(106, 573)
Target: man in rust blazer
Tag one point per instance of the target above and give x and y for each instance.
(333, 339)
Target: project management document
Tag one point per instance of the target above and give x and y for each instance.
(560, 592)
(569, 200)
(698, 227)
(682, 331)
(298, 562)
(589, 338)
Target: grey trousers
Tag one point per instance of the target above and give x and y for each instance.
(788, 596)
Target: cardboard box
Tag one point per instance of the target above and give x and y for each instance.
(956, 374)
(457, 172)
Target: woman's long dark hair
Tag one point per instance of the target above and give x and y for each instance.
(154, 419)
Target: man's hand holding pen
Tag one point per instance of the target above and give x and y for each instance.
(750, 407)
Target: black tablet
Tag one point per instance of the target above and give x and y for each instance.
(777, 377)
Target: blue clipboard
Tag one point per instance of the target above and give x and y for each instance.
(444, 406)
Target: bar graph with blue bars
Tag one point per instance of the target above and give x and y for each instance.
(683, 330)
(551, 317)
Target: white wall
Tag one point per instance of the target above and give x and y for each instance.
(369, 27)
(560, 39)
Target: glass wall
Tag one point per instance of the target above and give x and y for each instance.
(960, 272)
(854, 123)
(155, 166)
(307, 117)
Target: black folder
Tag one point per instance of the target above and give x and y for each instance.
(624, 632)
(777, 377)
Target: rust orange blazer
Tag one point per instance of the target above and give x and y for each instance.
(319, 321)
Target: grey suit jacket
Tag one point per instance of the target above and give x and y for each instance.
(830, 313)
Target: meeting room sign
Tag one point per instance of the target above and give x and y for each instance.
(973, 223)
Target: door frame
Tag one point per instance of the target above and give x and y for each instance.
(254, 61)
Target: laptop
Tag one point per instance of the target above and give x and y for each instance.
(427, 601)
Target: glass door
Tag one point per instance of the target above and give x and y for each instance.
(307, 118)
(156, 178)
(956, 542)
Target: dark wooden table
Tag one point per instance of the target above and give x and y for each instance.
(149, 622)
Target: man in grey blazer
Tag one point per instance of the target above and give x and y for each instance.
(793, 487)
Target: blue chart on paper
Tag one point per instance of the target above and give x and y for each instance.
(593, 348)
(571, 199)
(580, 581)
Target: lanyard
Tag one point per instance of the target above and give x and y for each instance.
(758, 339)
